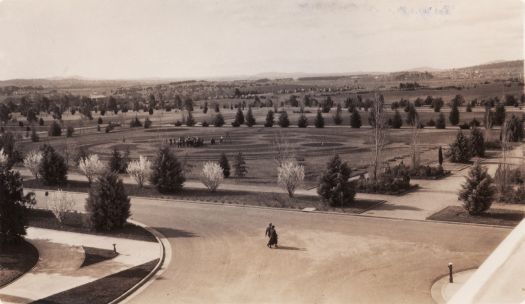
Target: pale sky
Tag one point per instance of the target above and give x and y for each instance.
(208, 38)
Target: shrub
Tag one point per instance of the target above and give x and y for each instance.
(205, 124)
(499, 115)
(108, 204)
(40, 122)
(391, 181)
(212, 175)
(302, 122)
(460, 149)
(431, 123)
(32, 162)
(91, 167)
(319, 120)
(440, 122)
(225, 165)
(14, 205)
(147, 123)
(178, 123)
(139, 170)
(290, 175)
(235, 124)
(478, 191)
(464, 126)
(219, 120)
(167, 173)
(474, 123)
(397, 121)
(100, 121)
(53, 168)
(334, 186)
(134, 123)
(54, 129)
(284, 122)
(34, 136)
(69, 131)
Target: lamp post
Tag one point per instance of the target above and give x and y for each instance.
(450, 278)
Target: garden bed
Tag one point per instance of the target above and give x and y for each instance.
(103, 290)
(266, 199)
(500, 217)
(15, 260)
(43, 218)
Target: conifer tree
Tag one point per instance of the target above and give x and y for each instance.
(302, 122)
(219, 120)
(225, 165)
(477, 142)
(334, 186)
(108, 204)
(53, 168)
(190, 121)
(240, 165)
(250, 119)
(269, 119)
(239, 117)
(117, 163)
(440, 156)
(338, 119)
(460, 149)
(397, 121)
(167, 173)
(284, 122)
(454, 115)
(355, 119)
(319, 120)
(478, 191)
(440, 122)
(14, 205)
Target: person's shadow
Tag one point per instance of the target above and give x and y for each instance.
(289, 248)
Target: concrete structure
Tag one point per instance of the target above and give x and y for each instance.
(500, 279)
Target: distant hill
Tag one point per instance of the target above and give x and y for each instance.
(514, 67)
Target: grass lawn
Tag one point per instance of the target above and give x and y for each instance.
(266, 199)
(103, 290)
(501, 217)
(45, 219)
(15, 260)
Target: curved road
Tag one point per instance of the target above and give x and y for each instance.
(219, 255)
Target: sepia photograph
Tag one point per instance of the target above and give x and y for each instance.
(260, 152)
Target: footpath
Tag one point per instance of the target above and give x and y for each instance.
(61, 255)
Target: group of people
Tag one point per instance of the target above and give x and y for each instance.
(192, 141)
(271, 233)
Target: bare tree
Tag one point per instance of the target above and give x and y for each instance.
(140, 170)
(283, 149)
(60, 203)
(379, 134)
(32, 162)
(290, 175)
(91, 167)
(212, 175)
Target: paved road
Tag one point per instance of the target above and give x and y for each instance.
(219, 255)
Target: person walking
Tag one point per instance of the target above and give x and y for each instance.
(268, 233)
(273, 237)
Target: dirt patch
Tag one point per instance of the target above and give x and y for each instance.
(15, 260)
(500, 217)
